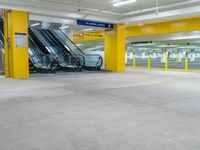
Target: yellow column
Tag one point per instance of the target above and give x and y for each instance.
(16, 44)
(186, 63)
(115, 42)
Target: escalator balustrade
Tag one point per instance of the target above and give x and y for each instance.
(91, 61)
(66, 61)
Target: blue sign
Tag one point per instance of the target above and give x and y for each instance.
(95, 24)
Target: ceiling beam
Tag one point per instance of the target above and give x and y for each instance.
(58, 13)
(166, 15)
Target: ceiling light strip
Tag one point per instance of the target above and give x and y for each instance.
(120, 3)
(64, 27)
(35, 24)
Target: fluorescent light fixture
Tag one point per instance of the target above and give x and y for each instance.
(64, 27)
(90, 29)
(100, 46)
(123, 2)
(79, 45)
(35, 24)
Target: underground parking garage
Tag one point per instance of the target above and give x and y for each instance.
(95, 75)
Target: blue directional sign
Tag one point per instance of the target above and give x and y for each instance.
(95, 24)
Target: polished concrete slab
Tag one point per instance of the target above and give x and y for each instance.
(136, 110)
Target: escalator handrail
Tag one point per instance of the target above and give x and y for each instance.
(45, 43)
(77, 46)
(56, 42)
(89, 55)
(73, 55)
(32, 49)
(1, 41)
(32, 41)
(42, 36)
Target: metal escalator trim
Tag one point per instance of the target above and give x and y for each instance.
(43, 37)
(99, 56)
(38, 56)
(47, 32)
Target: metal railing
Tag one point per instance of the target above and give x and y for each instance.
(91, 60)
(64, 59)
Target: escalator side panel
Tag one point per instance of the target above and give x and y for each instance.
(91, 61)
(66, 61)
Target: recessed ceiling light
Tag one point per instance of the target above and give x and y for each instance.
(64, 27)
(35, 24)
(90, 29)
(123, 2)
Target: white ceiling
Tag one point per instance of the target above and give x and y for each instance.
(71, 28)
(67, 11)
(172, 40)
(183, 37)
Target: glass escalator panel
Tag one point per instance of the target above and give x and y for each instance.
(90, 60)
(65, 60)
(1, 40)
(39, 59)
(1, 53)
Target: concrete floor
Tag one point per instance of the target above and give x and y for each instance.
(136, 110)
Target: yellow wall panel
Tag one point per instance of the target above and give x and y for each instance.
(183, 25)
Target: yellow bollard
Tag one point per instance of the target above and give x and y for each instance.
(134, 62)
(166, 63)
(186, 64)
(149, 62)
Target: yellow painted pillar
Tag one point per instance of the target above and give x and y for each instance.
(186, 63)
(149, 62)
(16, 44)
(115, 43)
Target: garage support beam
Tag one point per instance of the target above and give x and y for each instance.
(16, 44)
(115, 45)
(182, 25)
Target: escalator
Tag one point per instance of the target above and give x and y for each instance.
(1, 53)
(39, 62)
(37, 42)
(47, 50)
(1, 40)
(66, 60)
(91, 61)
(66, 49)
